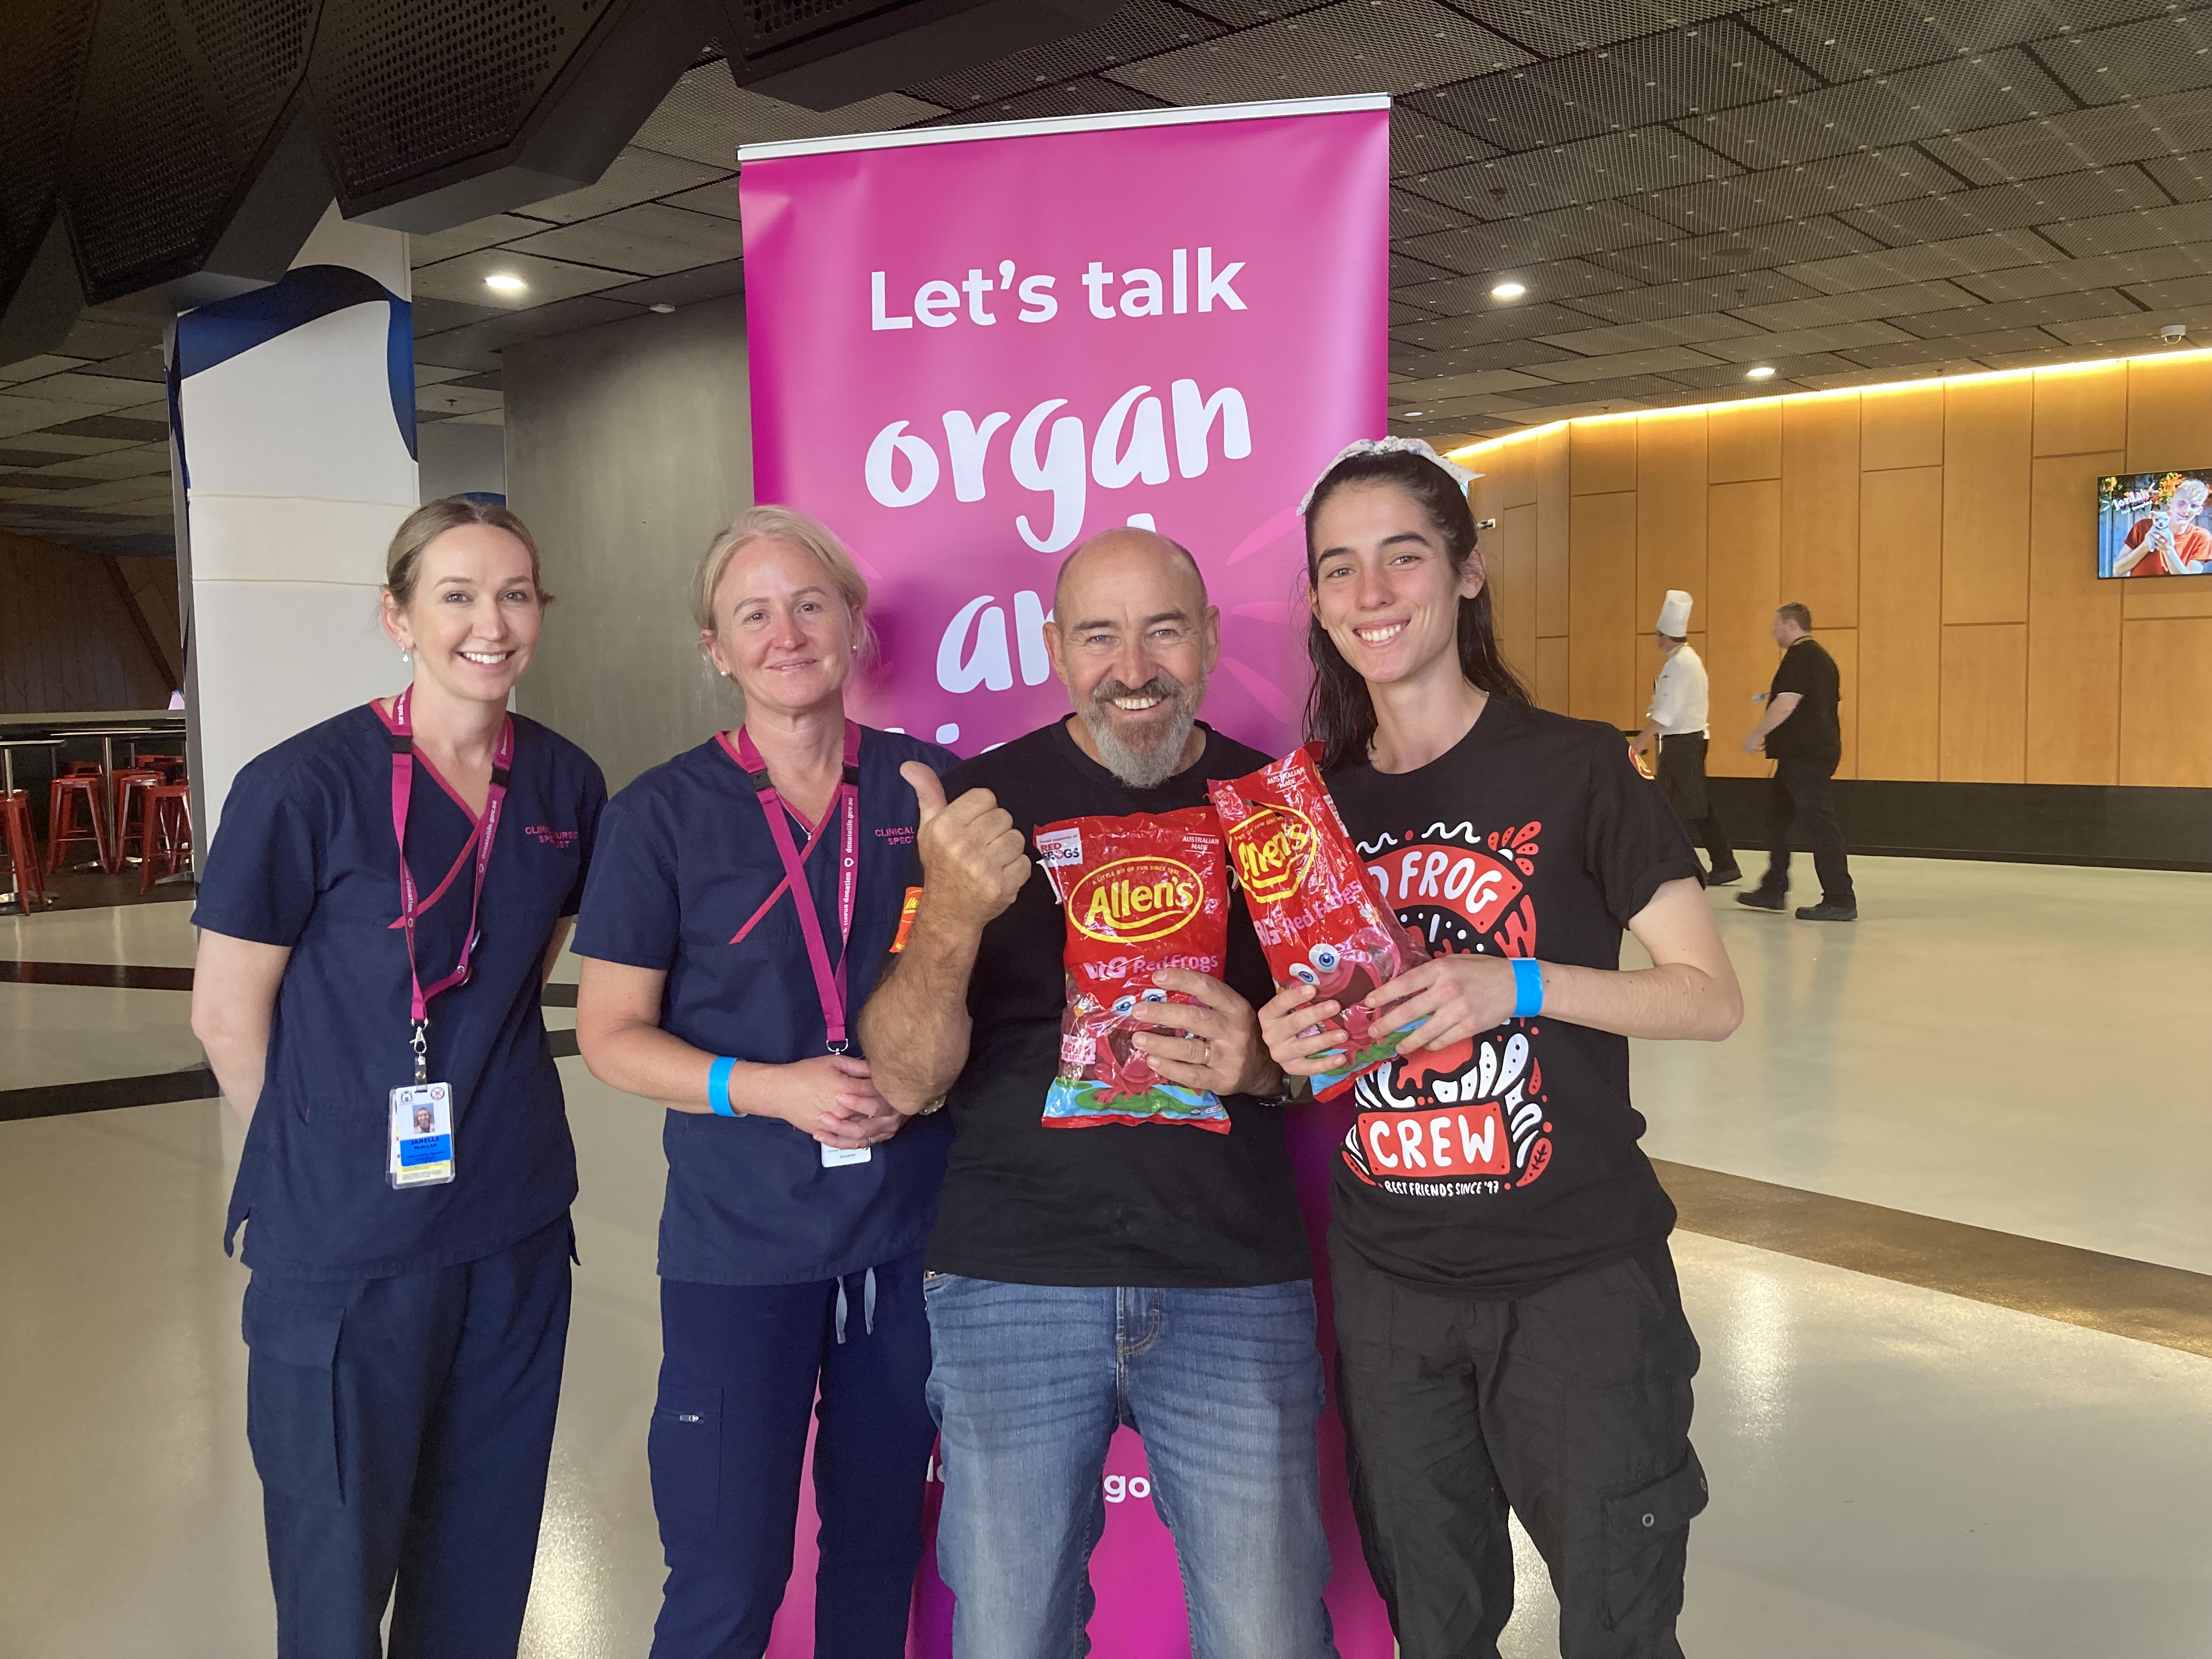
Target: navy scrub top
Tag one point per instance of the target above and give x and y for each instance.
(305, 857)
(684, 857)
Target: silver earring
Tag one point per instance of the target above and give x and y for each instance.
(406, 655)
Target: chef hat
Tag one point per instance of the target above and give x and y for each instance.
(1674, 614)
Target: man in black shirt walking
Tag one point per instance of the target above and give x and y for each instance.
(1805, 741)
(1151, 1274)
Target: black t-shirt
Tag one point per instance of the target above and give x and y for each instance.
(1151, 1204)
(1811, 733)
(1505, 1162)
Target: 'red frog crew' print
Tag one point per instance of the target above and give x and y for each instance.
(1468, 1119)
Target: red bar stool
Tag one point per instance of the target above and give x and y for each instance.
(168, 833)
(62, 826)
(126, 780)
(23, 851)
(79, 770)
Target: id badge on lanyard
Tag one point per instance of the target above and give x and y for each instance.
(827, 985)
(419, 1119)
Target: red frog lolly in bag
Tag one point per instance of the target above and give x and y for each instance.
(1319, 922)
(1142, 893)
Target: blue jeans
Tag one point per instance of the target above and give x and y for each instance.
(1028, 1383)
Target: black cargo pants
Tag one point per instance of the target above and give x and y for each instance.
(1571, 1405)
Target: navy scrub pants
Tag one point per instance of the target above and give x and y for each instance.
(741, 1367)
(402, 1427)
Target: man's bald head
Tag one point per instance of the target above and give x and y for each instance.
(1133, 638)
(1115, 552)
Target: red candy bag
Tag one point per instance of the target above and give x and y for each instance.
(1318, 921)
(1142, 893)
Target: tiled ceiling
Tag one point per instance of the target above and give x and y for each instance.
(1841, 190)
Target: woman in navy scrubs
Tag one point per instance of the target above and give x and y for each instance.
(790, 1240)
(371, 1012)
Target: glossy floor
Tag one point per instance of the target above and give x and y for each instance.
(1897, 1473)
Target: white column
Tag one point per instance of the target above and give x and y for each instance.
(294, 424)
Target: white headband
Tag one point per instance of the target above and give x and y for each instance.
(1460, 475)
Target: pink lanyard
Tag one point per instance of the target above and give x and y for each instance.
(401, 737)
(830, 987)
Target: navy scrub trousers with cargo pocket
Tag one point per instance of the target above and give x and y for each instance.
(781, 1277)
(401, 1427)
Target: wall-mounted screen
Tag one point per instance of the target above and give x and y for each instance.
(2155, 524)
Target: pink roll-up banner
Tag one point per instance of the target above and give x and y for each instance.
(971, 347)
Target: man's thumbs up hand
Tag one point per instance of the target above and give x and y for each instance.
(927, 789)
(972, 862)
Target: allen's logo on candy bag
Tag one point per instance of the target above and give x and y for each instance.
(1318, 922)
(1273, 847)
(1136, 900)
(1142, 893)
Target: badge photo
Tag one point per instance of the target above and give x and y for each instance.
(422, 1136)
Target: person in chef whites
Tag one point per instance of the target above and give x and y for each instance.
(1677, 721)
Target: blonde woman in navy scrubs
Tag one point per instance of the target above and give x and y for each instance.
(383, 899)
(743, 896)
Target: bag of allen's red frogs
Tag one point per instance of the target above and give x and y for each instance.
(1318, 921)
(1142, 893)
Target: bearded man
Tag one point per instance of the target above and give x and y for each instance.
(1155, 1274)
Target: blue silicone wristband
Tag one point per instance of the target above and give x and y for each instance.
(1527, 988)
(718, 1086)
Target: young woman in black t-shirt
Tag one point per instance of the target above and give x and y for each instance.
(1509, 1328)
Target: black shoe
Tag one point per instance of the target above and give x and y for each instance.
(1825, 911)
(1763, 898)
(1727, 878)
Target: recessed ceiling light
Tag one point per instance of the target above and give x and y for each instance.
(1408, 413)
(506, 281)
(1759, 373)
(662, 309)
(1508, 291)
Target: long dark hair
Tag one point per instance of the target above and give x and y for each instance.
(1339, 711)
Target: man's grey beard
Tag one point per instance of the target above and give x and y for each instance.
(1149, 767)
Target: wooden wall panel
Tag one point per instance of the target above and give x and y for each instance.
(1743, 569)
(1520, 474)
(1843, 644)
(1987, 427)
(1554, 512)
(1743, 441)
(1900, 622)
(2166, 687)
(2169, 412)
(1820, 507)
(1985, 713)
(1601, 589)
(1485, 496)
(1509, 555)
(2080, 410)
(1550, 687)
(2073, 626)
(1603, 456)
(1670, 511)
(2163, 596)
(1984, 649)
(1901, 426)
(69, 640)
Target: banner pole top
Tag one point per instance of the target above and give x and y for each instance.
(1191, 115)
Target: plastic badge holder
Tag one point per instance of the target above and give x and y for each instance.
(1318, 921)
(1141, 893)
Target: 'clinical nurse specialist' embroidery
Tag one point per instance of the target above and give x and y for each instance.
(1467, 1120)
(420, 1128)
(828, 986)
